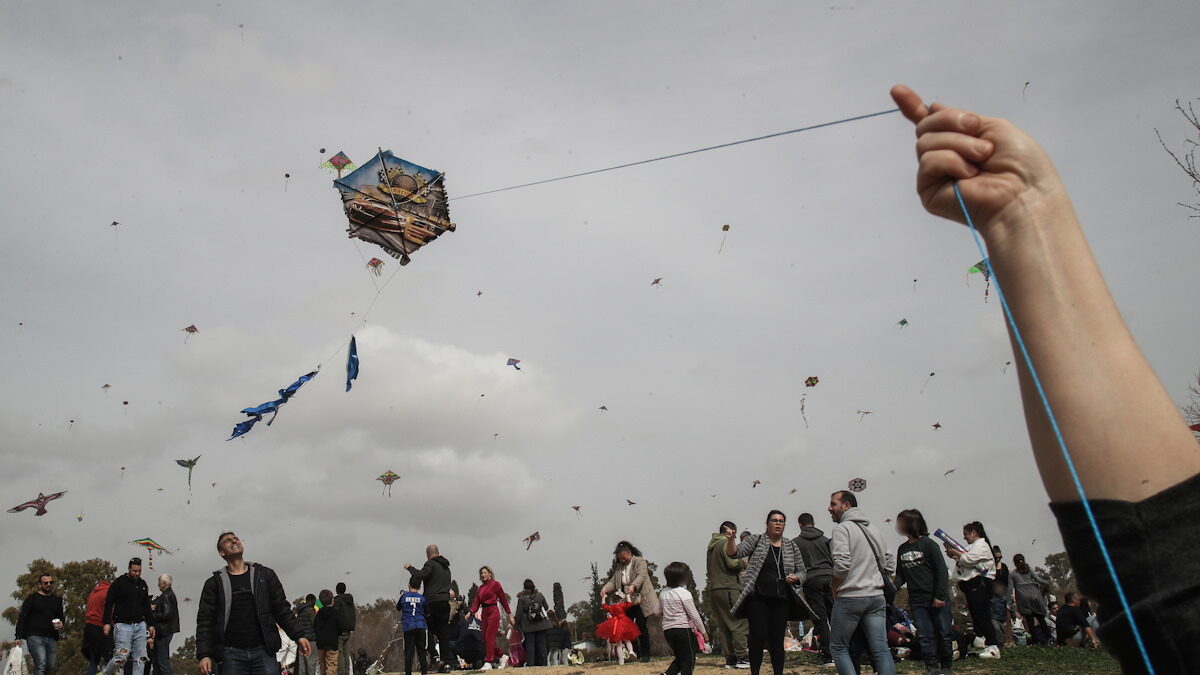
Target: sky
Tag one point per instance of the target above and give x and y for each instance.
(180, 120)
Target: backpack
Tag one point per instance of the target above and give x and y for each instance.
(534, 612)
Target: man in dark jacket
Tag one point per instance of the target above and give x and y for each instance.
(240, 606)
(126, 615)
(818, 591)
(435, 575)
(306, 614)
(347, 618)
(38, 624)
(166, 624)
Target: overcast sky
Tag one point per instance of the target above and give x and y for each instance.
(179, 121)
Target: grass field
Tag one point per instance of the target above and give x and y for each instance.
(1016, 660)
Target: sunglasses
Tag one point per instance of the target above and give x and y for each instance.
(47, 583)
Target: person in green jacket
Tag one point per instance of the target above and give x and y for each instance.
(724, 585)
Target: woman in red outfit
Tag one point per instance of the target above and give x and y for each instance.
(490, 594)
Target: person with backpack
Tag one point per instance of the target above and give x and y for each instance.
(534, 622)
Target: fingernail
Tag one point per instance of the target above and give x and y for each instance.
(983, 147)
(969, 120)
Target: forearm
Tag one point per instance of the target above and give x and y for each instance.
(1109, 404)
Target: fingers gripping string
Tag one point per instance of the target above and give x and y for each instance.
(1062, 444)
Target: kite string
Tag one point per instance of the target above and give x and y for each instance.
(1062, 444)
(681, 154)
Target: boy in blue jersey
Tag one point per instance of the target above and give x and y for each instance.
(412, 620)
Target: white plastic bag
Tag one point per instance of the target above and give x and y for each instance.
(14, 664)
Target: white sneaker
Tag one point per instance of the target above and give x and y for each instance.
(742, 664)
(990, 652)
(504, 661)
(487, 666)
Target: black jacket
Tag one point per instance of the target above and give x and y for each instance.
(436, 577)
(37, 615)
(307, 614)
(344, 604)
(166, 613)
(328, 626)
(269, 599)
(814, 548)
(128, 601)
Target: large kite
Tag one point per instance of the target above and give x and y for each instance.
(394, 204)
(387, 478)
(256, 413)
(188, 464)
(39, 504)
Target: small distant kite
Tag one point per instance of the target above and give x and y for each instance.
(105, 387)
(603, 408)
(862, 413)
(151, 547)
(983, 267)
(1004, 370)
(188, 464)
(375, 266)
(657, 281)
(937, 425)
(927, 382)
(387, 478)
(756, 483)
(857, 484)
(630, 502)
(79, 517)
(724, 229)
(950, 472)
(286, 177)
(578, 513)
(528, 541)
(478, 293)
(513, 363)
(812, 381)
(339, 163)
(39, 504)
(352, 363)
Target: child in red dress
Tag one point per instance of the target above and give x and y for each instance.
(619, 630)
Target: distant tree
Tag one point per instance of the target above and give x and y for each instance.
(75, 581)
(1186, 158)
(376, 631)
(1191, 409)
(560, 607)
(183, 661)
(1058, 571)
(471, 593)
(597, 601)
(581, 614)
(651, 568)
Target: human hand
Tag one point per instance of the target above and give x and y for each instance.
(793, 579)
(938, 604)
(1000, 170)
(152, 632)
(206, 666)
(407, 566)
(305, 646)
(107, 629)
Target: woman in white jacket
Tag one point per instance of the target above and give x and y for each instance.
(975, 572)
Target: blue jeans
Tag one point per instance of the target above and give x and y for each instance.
(935, 631)
(850, 613)
(129, 642)
(248, 662)
(44, 651)
(162, 654)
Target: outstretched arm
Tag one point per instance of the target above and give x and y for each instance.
(1122, 429)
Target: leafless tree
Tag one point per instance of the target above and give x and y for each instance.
(1186, 158)
(1191, 409)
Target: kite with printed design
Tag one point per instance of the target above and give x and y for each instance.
(151, 547)
(387, 478)
(528, 541)
(395, 204)
(339, 163)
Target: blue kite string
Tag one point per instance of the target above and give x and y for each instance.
(1062, 444)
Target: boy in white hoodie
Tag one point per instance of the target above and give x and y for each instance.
(859, 553)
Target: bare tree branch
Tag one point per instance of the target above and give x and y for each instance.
(1186, 159)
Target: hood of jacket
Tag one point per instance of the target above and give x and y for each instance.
(853, 515)
(441, 560)
(811, 532)
(717, 537)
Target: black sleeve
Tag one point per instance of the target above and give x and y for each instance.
(1156, 554)
(206, 620)
(423, 573)
(110, 600)
(149, 613)
(163, 610)
(280, 608)
(23, 617)
(58, 612)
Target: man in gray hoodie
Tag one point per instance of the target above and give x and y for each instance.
(860, 559)
(814, 548)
